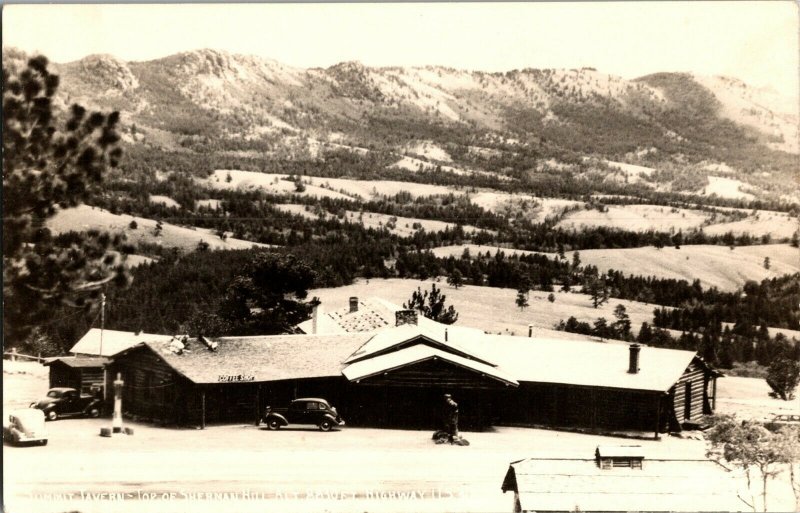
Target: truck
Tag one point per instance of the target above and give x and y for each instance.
(306, 410)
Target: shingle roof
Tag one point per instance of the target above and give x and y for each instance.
(415, 354)
(80, 361)
(372, 315)
(113, 341)
(265, 358)
(660, 485)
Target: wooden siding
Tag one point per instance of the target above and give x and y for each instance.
(152, 390)
(586, 407)
(82, 378)
(695, 379)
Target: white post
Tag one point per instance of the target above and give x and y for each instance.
(102, 321)
(116, 422)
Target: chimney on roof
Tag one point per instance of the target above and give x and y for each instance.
(315, 318)
(530, 330)
(405, 317)
(445, 335)
(210, 344)
(633, 360)
(353, 304)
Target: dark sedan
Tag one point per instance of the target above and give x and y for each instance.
(68, 402)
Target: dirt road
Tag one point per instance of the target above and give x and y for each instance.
(245, 468)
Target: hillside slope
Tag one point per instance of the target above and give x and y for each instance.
(212, 101)
(714, 266)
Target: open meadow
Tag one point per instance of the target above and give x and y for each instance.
(715, 266)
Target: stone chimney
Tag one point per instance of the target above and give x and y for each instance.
(405, 317)
(530, 330)
(633, 360)
(353, 304)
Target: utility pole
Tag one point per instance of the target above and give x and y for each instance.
(102, 320)
(100, 353)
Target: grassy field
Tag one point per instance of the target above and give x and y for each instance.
(319, 187)
(84, 217)
(636, 218)
(749, 398)
(492, 309)
(714, 266)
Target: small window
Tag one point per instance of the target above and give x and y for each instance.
(312, 406)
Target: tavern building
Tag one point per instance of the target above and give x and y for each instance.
(385, 366)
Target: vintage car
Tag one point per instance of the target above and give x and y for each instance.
(24, 426)
(782, 420)
(61, 402)
(308, 410)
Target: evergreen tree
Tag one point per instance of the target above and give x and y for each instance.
(522, 299)
(622, 326)
(47, 165)
(432, 305)
(267, 298)
(601, 328)
(783, 377)
(456, 279)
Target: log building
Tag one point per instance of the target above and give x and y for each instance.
(396, 376)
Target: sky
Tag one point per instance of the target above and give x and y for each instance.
(753, 41)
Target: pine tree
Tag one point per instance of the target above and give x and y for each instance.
(47, 165)
(432, 305)
(522, 299)
(456, 279)
(622, 326)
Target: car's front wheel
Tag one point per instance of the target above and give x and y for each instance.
(273, 424)
(93, 412)
(52, 415)
(325, 425)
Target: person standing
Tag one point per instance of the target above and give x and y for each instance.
(451, 416)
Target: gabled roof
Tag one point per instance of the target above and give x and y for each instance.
(113, 341)
(78, 362)
(392, 338)
(416, 354)
(660, 485)
(259, 359)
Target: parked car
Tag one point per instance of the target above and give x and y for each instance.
(24, 426)
(779, 421)
(62, 402)
(308, 410)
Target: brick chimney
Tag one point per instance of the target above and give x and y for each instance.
(353, 304)
(633, 360)
(405, 317)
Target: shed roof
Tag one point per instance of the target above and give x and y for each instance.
(620, 451)
(113, 341)
(264, 358)
(577, 362)
(660, 485)
(415, 354)
(80, 362)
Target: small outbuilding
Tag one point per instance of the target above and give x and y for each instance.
(83, 373)
(622, 479)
